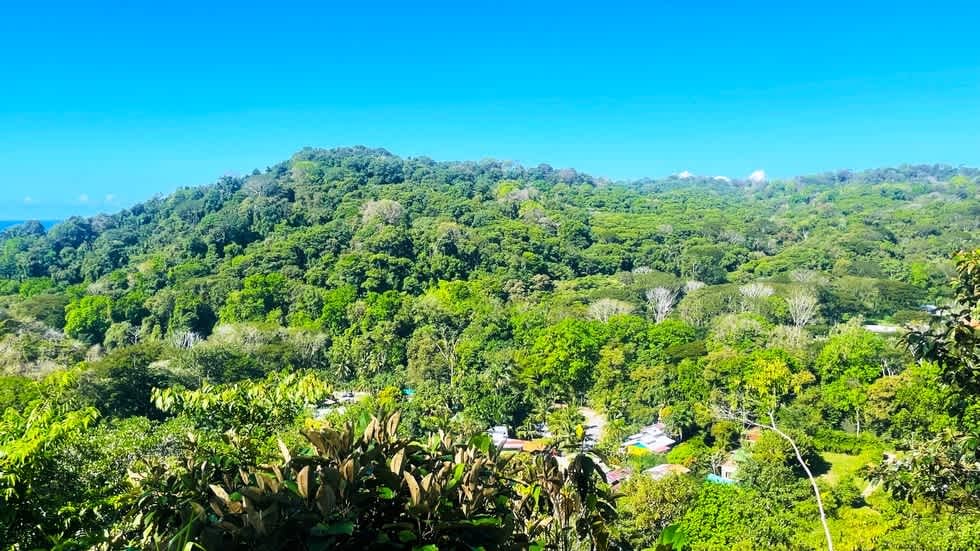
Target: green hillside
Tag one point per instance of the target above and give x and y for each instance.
(169, 371)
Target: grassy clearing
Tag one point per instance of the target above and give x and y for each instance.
(843, 465)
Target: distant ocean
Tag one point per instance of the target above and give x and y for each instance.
(4, 224)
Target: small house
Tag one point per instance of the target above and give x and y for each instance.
(498, 434)
(513, 445)
(753, 435)
(651, 439)
(616, 477)
(882, 329)
(729, 469)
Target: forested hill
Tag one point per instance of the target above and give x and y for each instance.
(379, 222)
(155, 362)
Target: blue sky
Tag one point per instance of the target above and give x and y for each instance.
(106, 103)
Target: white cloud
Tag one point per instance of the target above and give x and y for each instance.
(685, 175)
(758, 176)
(28, 200)
(110, 198)
(722, 179)
(83, 198)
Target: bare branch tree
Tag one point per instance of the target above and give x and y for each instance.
(662, 301)
(808, 277)
(743, 417)
(756, 290)
(754, 295)
(692, 285)
(605, 308)
(185, 339)
(388, 211)
(803, 308)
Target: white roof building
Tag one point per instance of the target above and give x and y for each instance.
(652, 438)
(499, 435)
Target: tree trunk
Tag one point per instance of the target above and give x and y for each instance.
(809, 475)
(744, 418)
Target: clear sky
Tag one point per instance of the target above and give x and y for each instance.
(106, 103)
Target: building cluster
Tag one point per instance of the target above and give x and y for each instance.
(650, 439)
